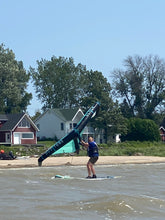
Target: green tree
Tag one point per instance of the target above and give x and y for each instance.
(95, 87)
(13, 83)
(37, 114)
(61, 84)
(141, 86)
(111, 120)
(141, 130)
(57, 82)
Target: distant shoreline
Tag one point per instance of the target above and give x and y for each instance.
(26, 162)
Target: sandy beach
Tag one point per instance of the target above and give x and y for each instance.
(73, 161)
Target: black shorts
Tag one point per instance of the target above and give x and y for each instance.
(93, 160)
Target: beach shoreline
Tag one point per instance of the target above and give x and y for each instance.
(26, 162)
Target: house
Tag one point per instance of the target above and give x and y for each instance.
(162, 130)
(17, 129)
(56, 123)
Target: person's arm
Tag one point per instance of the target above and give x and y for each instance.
(84, 144)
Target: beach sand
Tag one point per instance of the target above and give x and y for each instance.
(74, 160)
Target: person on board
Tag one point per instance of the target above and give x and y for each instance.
(93, 153)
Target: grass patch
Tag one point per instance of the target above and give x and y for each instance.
(133, 148)
(128, 148)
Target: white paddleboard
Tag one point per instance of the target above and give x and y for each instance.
(81, 178)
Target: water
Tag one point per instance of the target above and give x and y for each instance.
(138, 193)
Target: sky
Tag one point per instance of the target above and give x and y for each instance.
(97, 33)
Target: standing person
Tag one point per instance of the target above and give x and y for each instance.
(93, 153)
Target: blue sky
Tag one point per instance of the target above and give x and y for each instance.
(97, 33)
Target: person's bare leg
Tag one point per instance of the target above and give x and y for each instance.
(93, 169)
(89, 168)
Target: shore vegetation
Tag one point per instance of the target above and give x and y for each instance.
(127, 148)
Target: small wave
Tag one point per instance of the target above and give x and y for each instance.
(124, 206)
(32, 182)
(154, 199)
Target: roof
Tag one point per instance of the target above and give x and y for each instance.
(66, 114)
(3, 117)
(12, 120)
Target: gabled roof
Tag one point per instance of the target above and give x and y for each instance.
(12, 120)
(64, 114)
(162, 128)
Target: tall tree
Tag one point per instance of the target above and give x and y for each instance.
(57, 82)
(13, 83)
(96, 88)
(141, 86)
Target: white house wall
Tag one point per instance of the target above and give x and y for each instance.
(50, 126)
(78, 117)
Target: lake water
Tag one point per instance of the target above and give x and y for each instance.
(137, 193)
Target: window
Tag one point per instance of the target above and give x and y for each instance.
(74, 125)
(70, 125)
(24, 123)
(62, 126)
(29, 135)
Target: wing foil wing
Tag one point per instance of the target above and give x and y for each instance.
(67, 148)
(70, 143)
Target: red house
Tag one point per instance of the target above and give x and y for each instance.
(162, 130)
(17, 129)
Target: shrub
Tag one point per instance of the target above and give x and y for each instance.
(141, 130)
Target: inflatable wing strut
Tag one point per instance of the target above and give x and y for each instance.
(74, 135)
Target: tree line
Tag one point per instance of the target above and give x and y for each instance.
(137, 91)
